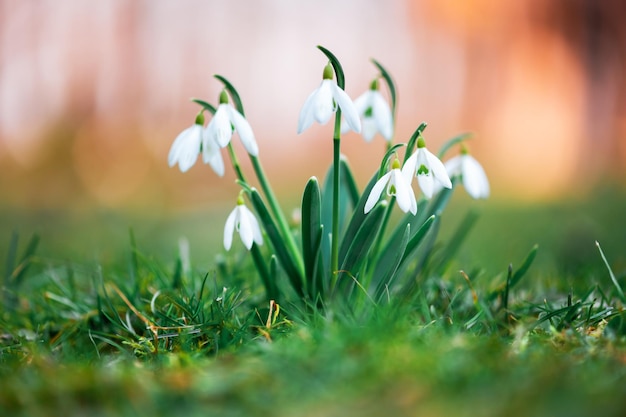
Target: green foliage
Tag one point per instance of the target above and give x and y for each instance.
(389, 329)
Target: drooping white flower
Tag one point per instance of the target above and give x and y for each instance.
(190, 142)
(375, 114)
(324, 101)
(398, 185)
(429, 169)
(211, 153)
(243, 221)
(226, 120)
(472, 174)
(186, 147)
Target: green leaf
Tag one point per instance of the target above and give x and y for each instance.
(19, 271)
(514, 278)
(387, 264)
(517, 276)
(410, 147)
(363, 240)
(357, 219)
(208, 107)
(439, 203)
(455, 242)
(417, 238)
(450, 143)
(348, 183)
(348, 198)
(414, 220)
(417, 255)
(620, 292)
(341, 81)
(11, 257)
(385, 161)
(390, 84)
(311, 232)
(234, 95)
(264, 273)
(284, 256)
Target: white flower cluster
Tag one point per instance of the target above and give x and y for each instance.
(369, 114)
(195, 139)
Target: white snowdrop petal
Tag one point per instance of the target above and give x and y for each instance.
(220, 128)
(245, 227)
(305, 120)
(347, 107)
(243, 128)
(186, 148)
(382, 115)
(474, 178)
(229, 229)
(376, 192)
(437, 169)
(425, 182)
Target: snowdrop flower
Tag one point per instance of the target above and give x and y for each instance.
(211, 153)
(226, 120)
(375, 114)
(471, 172)
(324, 101)
(186, 148)
(243, 221)
(429, 169)
(190, 142)
(187, 145)
(398, 185)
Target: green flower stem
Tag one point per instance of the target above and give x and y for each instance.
(334, 248)
(268, 283)
(278, 213)
(383, 226)
(235, 162)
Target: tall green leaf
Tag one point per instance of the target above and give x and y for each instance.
(284, 256)
(311, 233)
(357, 219)
(360, 245)
(387, 264)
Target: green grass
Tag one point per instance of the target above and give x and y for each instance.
(94, 323)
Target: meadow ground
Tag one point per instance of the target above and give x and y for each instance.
(97, 321)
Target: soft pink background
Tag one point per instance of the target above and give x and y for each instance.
(92, 93)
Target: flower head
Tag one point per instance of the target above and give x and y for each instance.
(429, 169)
(211, 153)
(471, 172)
(398, 185)
(375, 114)
(186, 147)
(324, 101)
(226, 120)
(243, 221)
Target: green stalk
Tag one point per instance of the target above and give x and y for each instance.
(278, 213)
(235, 162)
(383, 227)
(270, 287)
(334, 248)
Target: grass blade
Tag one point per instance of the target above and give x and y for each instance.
(620, 292)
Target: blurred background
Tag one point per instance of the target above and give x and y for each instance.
(92, 94)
